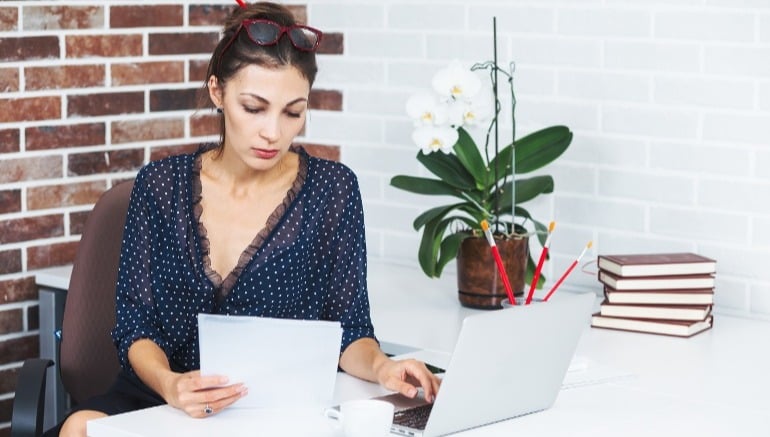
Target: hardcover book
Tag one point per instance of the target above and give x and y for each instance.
(666, 312)
(704, 296)
(656, 282)
(656, 264)
(677, 328)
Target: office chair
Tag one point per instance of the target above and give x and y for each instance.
(88, 363)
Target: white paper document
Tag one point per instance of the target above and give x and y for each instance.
(282, 362)
(583, 371)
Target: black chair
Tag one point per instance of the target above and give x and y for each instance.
(88, 363)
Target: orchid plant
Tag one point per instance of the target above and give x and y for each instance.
(487, 186)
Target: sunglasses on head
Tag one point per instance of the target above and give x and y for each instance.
(267, 32)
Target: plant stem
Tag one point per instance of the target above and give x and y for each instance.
(512, 67)
(476, 204)
(496, 200)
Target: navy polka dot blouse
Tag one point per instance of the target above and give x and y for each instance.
(309, 262)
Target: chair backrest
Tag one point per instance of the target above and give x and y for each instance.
(88, 362)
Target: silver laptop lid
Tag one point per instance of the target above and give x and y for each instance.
(509, 362)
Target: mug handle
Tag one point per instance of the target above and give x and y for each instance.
(334, 413)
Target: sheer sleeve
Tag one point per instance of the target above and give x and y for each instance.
(135, 314)
(347, 282)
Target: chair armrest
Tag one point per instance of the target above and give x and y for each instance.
(27, 418)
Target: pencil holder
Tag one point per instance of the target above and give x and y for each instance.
(520, 301)
(478, 281)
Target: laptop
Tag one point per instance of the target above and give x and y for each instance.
(506, 363)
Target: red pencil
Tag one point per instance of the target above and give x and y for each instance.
(498, 261)
(539, 268)
(569, 270)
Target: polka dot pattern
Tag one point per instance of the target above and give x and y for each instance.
(310, 265)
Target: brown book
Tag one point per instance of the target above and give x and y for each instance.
(666, 312)
(657, 264)
(703, 296)
(677, 328)
(656, 282)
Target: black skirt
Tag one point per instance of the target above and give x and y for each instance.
(127, 393)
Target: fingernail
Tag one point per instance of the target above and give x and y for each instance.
(244, 392)
(412, 392)
(223, 380)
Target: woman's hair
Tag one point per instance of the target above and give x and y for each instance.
(230, 57)
(243, 51)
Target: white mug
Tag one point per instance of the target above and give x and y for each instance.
(364, 418)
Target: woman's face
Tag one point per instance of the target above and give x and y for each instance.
(264, 111)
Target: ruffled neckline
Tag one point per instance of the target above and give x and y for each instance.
(224, 286)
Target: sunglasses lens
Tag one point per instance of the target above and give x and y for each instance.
(264, 33)
(303, 39)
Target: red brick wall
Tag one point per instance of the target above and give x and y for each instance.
(88, 94)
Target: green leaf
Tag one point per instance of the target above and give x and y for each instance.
(475, 213)
(449, 248)
(541, 147)
(436, 249)
(431, 214)
(521, 212)
(468, 154)
(526, 190)
(430, 244)
(448, 168)
(420, 185)
(426, 254)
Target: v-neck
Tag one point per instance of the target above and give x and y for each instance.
(224, 286)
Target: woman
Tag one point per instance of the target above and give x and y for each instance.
(299, 219)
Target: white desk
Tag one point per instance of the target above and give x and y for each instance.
(714, 384)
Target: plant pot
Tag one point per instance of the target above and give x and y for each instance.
(478, 282)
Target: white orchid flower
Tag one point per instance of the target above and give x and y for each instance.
(456, 82)
(425, 109)
(456, 113)
(431, 138)
(472, 112)
(480, 109)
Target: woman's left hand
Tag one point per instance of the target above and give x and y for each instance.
(404, 376)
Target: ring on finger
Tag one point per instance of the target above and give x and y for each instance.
(208, 410)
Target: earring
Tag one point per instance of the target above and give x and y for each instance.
(220, 111)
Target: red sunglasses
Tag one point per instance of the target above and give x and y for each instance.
(267, 32)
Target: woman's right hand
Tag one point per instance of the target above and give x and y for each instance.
(195, 394)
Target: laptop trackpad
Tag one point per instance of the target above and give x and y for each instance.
(402, 402)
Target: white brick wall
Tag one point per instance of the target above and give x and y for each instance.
(669, 101)
(694, 158)
(702, 92)
(715, 25)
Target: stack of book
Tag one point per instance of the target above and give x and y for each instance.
(662, 293)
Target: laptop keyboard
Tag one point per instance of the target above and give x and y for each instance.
(415, 417)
